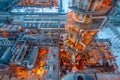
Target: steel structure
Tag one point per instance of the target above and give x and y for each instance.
(81, 49)
(39, 41)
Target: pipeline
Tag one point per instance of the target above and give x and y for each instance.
(32, 56)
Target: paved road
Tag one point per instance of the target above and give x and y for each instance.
(52, 62)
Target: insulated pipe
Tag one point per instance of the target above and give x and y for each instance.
(83, 2)
(97, 5)
(77, 20)
(73, 58)
(72, 54)
(101, 17)
(85, 16)
(24, 53)
(13, 56)
(84, 46)
(98, 17)
(19, 50)
(32, 62)
(5, 53)
(84, 19)
(80, 32)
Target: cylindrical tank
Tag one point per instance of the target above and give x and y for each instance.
(92, 76)
(32, 57)
(27, 31)
(20, 28)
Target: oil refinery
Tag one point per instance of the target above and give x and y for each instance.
(59, 39)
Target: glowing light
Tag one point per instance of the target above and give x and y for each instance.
(38, 71)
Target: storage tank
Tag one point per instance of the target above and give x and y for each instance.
(32, 57)
(27, 31)
(20, 28)
(91, 76)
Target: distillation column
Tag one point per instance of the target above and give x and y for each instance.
(84, 20)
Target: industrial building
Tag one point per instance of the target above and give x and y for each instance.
(59, 39)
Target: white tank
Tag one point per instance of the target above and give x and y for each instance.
(27, 31)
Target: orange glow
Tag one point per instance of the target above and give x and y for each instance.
(39, 71)
(79, 46)
(20, 72)
(71, 28)
(42, 51)
(80, 18)
(106, 2)
(40, 62)
(66, 60)
(34, 2)
(69, 42)
(92, 61)
(5, 34)
(20, 28)
(87, 36)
